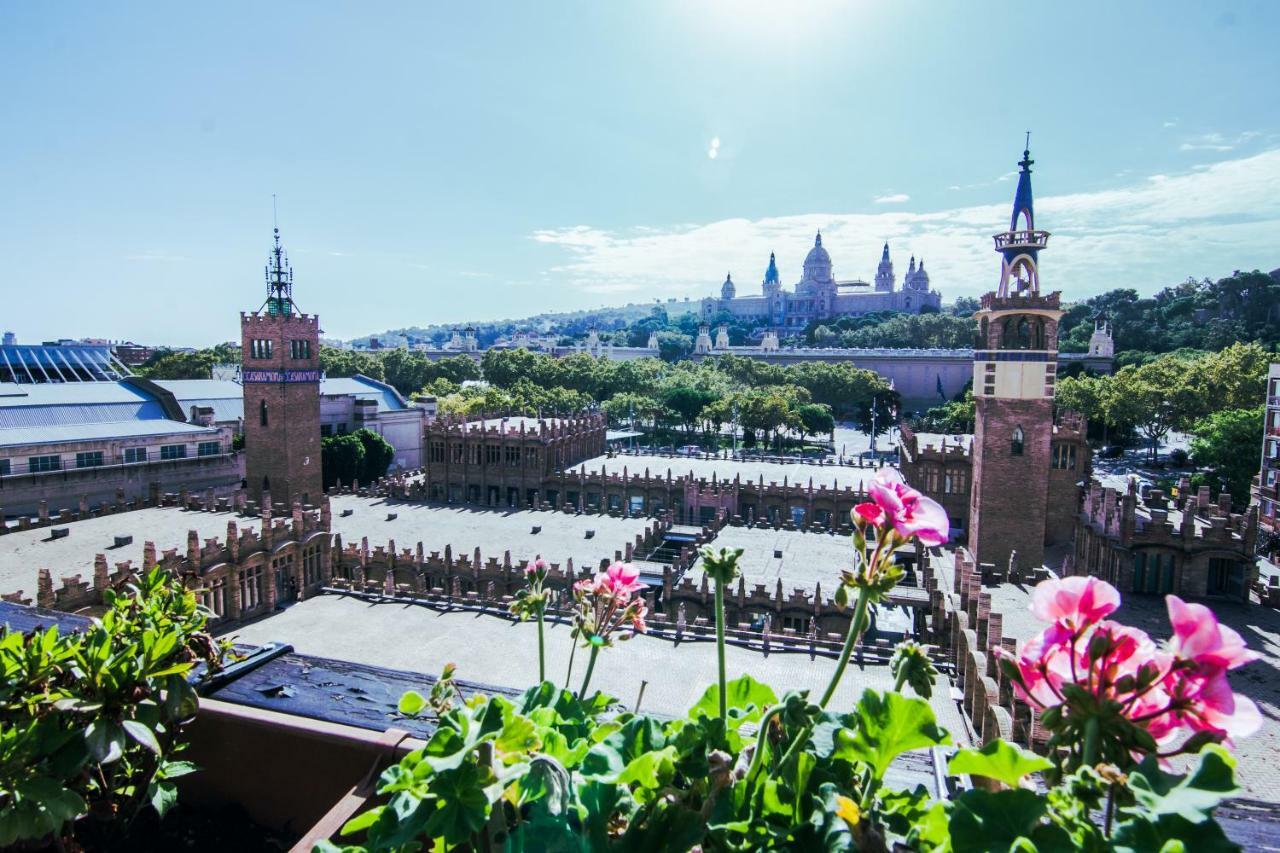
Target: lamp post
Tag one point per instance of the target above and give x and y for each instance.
(873, 427)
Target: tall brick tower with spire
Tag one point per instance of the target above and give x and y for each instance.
(1014, 373)
(280, 348)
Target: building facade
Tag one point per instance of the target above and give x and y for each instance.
(1187, 546)
(281, 385)
(819, 296)
(504, 462)
(1267, 489)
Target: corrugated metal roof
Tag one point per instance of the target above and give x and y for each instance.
(99, 431)
(14, 417)
(72, 393)
(351, 386)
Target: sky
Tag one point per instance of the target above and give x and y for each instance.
(450, 162)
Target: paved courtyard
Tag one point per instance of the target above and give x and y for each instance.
(24, 553)
(494, 531)
(493, 650)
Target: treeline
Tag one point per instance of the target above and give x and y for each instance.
(1216, 396)
(765, 400)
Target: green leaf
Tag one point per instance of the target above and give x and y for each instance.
(745, 696)
(882, 727)
(999, 760)
(461, 805)
(983, 821)
(163, 796)
(651, 770)
(142, 733)
(518, 736)
(105, 740)
(1192, 797)
(1171, 834)
(362, 821)
(411, 703)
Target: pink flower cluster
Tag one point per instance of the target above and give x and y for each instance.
(606, 603)
(895, 504)
(536, 570)
(1176, 689)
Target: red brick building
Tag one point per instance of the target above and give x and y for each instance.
(1014, 372)
(281, 381)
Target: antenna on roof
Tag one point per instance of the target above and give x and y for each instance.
(1027, 146)
(275, 220)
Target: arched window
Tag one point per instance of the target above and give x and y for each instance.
(262, 412)
(1015, 447)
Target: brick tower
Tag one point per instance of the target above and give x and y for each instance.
(1014, 370)
(280, 348)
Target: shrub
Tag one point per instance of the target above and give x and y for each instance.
(91, 721)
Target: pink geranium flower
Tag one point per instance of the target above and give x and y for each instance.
(1075, 602)
(623, 578)
(869, 513)
(911, 513)
(1198, 637)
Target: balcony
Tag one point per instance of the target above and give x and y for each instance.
(1021, 240)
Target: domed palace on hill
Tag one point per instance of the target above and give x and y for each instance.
(819, 296)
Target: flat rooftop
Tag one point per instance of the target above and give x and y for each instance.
(496, 651)
(808, 559)
(494, 531)
(727, 469)
(24, 553)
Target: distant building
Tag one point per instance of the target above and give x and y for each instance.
(61, 442)
(281, 386)
(10, 339)
(1265, 492)
(819, 296)
(1187, 546)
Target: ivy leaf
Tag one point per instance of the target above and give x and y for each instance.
(1192, 797)
(999, 760)
(411, 703)
(883, 726)
(745, 696)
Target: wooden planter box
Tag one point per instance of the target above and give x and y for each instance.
(290, 773)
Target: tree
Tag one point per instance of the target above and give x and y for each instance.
(687, 402)
(1154, 397)
(341, 459)
(378, 455)
(815, 419)
(1228, 444)
(167, 364)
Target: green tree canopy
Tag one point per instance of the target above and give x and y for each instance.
(1228, 444)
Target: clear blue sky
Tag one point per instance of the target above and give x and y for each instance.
(452, 161)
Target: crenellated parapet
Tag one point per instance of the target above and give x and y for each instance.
(1160, 542)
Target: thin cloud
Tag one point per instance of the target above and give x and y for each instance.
(894, 198)
(1157, 229)
(156, 255)
(1218, 142)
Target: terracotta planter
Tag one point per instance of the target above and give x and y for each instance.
(290, 773)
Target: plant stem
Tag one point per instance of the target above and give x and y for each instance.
(542, 650)
(1111, 808)
(1090, 755)
(724, 712)
(762, 736)
(900, 680)
(591, 665)
(573, 650)
(855, 632)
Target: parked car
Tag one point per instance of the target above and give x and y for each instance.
(690, 450)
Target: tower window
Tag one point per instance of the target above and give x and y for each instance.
(261, 347)
(1015, 446)
(262, 412)
(300, 349)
